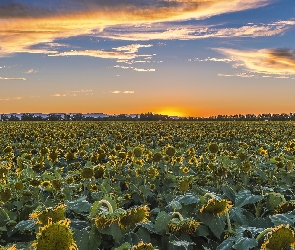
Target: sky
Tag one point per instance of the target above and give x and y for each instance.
(174, 57)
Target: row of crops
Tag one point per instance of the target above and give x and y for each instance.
(147, 185)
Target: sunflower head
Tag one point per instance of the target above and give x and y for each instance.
(87, 172)
(157, 157)
(143, 246)
(99, 171)
(216, 207)
(213, 148)
(170, 151)
(53, 214)
(55, 236)
(152, 172)
(188, 225)
(285, 207)
(134, 215)
(105, 218)
(137, 152)
(5, 194)
(279, 238)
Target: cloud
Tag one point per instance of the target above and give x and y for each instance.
(12, 78)
(163, 31)
(27, 23)
(123, 92)
(10, 99)
(30, 71)
(59, 95)
(244, 75)
(212, 59)
(121, 53)
(265, 61)
(135, 69)
(74, 93)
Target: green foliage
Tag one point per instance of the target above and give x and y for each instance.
(142, 185)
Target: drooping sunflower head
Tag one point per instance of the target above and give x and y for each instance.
(53, 214)
(143, 246)
(152, 172)
(55, 236)
(279, 238)
(188, 225)
(285, 207)
(216, 207)
(134, 215)
(105, 218)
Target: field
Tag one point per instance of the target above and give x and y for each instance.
(147, 185)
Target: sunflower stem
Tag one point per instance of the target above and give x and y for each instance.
(110, 208)
(209, 194)
(264, 232)
(229, 228)
(178, 214)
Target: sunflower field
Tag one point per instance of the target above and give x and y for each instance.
(147, 185)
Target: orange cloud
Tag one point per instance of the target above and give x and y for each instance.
(266, 61)
(22, 26)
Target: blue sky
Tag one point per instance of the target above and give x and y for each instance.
(177, 57)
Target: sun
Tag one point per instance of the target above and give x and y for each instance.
(171, 112)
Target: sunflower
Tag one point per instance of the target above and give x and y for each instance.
(285, 207)
(87, 172)
(185, 170)
(216, 207)
(54, 214)
(188, 225)
(152, 172)
(137, 152)
(99, 171)
(55, 236)
(143, 246)
(134, 215)
(213, 148)
(157, 157)
(279, 238)
(93, 188)
(5, 194)
(170, 151)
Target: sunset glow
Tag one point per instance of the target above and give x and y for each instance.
(180, 58)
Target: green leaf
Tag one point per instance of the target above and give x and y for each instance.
(79, 206)
(203, 230)
(261, 173)
(229, 192)
(3, 217)
(187, 199)
(273, 201)
(245, 243)
(143, 234)
(226, 244)
(182, 243)
(237, 215)
(245, 197)
(82, 239)
(162, 221)
(25, 225)
(175, 205)
(285, 219)
(124, 246)
(94, 209)
(215, 223)
(261, 223)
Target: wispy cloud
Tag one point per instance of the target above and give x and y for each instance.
(11, 98)
(13, 78)
(163, 31)
(74, 93)
(30, 71)
(244, 75)
(127, 52)
(135, 69)
(122, 92)
(25, 24)
(265, 61)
